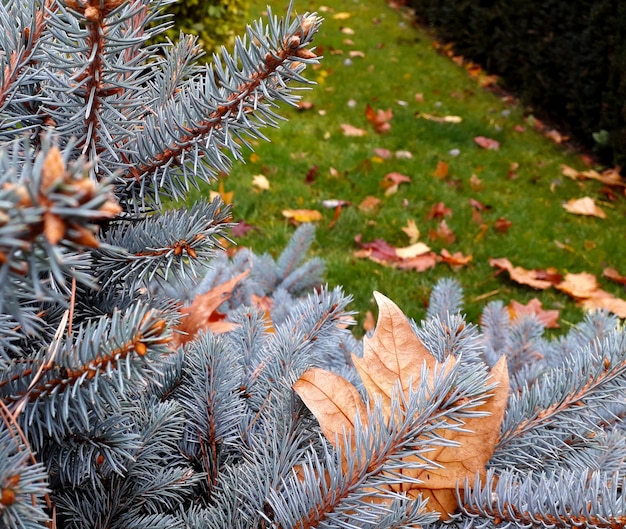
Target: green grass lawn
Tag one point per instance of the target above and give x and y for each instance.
(373, 55)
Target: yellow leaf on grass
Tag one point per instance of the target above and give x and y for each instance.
(394, 359)
(412, 231)
(260, 182)
(584, 206)
(342, 15)
(302, 215)
(414, 250)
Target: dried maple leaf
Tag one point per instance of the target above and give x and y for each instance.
(584, 288)
(487, 143)
(521, 275)
(443, 232)
(584, 206)
(579, 286)
(369, 204)
(502, 225)
(201, 314)
(549, 318)
(394, 359)
(603, 300)
(611, 177)
(379, 118)
(455, 260)
(412, 231)
(438, 211)
(242, 228)
(396, 178)
(416, 257)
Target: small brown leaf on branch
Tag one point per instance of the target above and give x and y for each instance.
(202, 313)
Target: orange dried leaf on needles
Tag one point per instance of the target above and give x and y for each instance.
(549, 318)
(584, 206)
(395, 360)
(201, 314)
(532, 278)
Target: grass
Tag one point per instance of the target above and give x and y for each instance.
(399, 61)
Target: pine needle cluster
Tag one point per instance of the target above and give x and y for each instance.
(109, 421)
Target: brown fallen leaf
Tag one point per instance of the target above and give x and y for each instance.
(443, 232)
(260, 182)
(603, 300)
(349, 130)
(394, 359)
(614, 275)
(456, 260)
(416, 257)
(584, 206)
(532, 278)
(438, 211)
(201, 314)
(611, 177)
(487, 143)
(502, 225)
(549, 318)
(442, 169)
(579, 286)
(379, 118)
(369, 204)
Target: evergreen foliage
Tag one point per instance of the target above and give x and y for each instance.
(216, 23)
(106, 424)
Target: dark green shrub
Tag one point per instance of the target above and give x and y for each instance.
(566, 59)
(215, 22)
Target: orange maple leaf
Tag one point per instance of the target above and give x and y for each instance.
(394, 359)
(379, 118)
(549, 318)
(201, 314)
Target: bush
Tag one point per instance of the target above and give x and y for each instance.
(216, 23)
(148, 381)
(567, 59)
